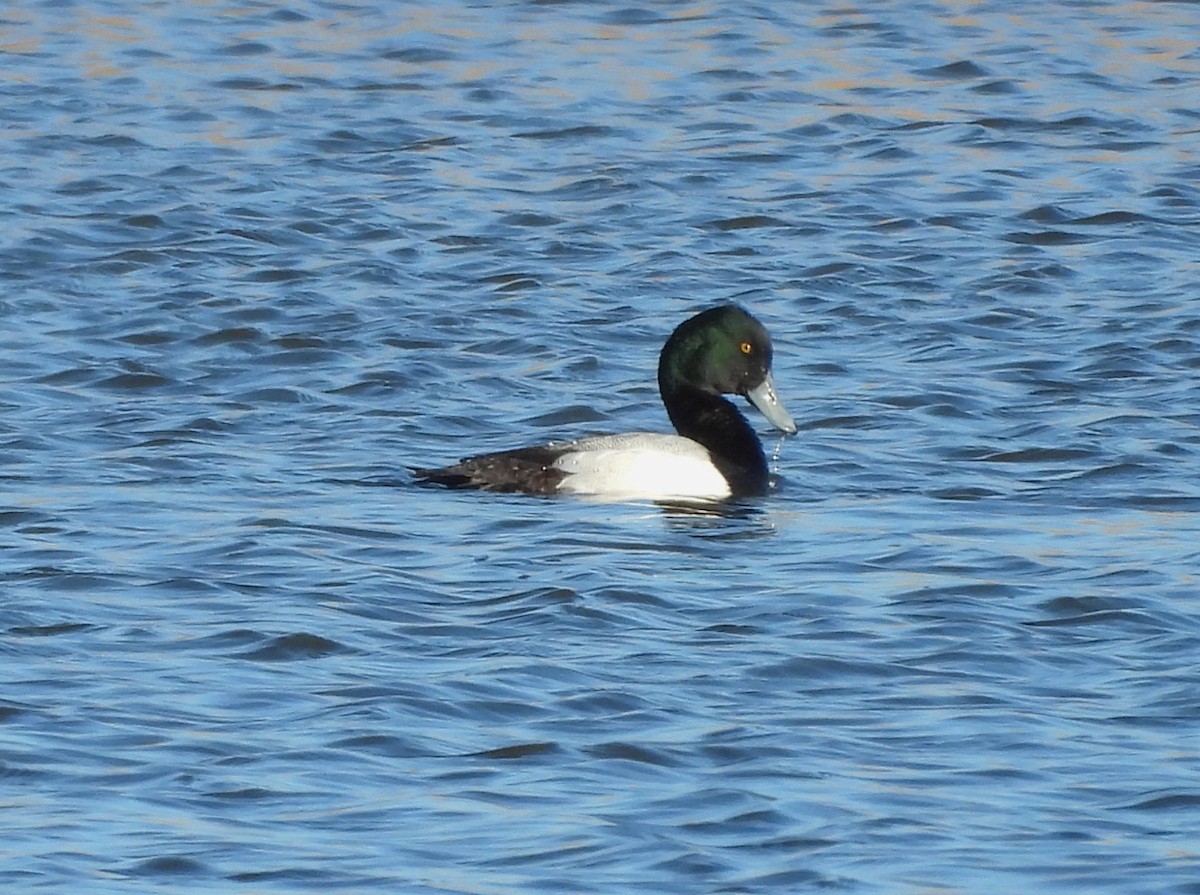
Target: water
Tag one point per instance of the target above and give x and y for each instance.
(259, 259)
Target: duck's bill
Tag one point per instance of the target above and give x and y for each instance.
(766, 399)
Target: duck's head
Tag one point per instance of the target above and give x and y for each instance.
(723, 351)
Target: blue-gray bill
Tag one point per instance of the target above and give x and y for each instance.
(766, 399)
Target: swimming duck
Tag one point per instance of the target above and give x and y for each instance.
(716, 455)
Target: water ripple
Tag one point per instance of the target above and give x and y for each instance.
(258, 265)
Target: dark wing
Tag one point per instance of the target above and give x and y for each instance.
(528, 470)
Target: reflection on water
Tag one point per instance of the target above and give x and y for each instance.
(259, 261)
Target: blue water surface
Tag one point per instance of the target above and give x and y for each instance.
(259, 259)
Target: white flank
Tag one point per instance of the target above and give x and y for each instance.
(641, 466)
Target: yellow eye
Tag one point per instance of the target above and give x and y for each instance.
(746, 348)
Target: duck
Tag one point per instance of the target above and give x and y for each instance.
(715, 454)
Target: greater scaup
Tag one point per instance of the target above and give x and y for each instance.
(721, 351)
